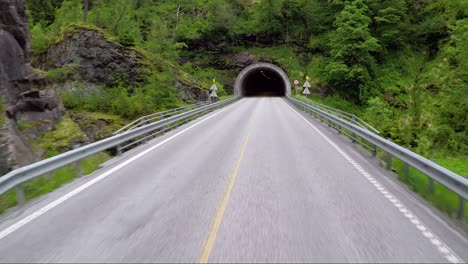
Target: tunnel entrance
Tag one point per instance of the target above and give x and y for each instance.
(262, 79)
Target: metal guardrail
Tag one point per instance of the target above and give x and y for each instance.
(449, 179)
(144, 120)
(21, 175)
(342, 114)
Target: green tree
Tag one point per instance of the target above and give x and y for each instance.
(269, 13)
(390, 23)
(351, 48)
(43, 11)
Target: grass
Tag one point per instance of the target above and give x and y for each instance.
(60, 75)
(61, 138)
(283, 56)
(224, 97)
(332, 101)
(441, 197)
(50, 144)
(106, 123)
(54, 180)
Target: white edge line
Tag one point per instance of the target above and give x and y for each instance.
(99, 178)
(447, 252)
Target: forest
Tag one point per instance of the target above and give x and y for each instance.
(402, 65)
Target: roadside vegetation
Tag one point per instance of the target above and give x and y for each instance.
(401, 65)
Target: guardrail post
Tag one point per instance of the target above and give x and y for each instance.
(406, 170)
(321, 117)
(353, 135)
(431, 185)
(388, 161)
(20, 195)
(119, 150)
(461, 208)
(329, 121)
(144, 122)
(431, 182)
(374, 150)
(339, 126)
(78, 170)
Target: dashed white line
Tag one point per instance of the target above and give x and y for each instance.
(441, 247)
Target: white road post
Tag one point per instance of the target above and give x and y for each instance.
(213, 94)
(306, 86)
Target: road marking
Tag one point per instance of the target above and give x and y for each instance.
(210, 240)
(99, 178)
(213, 232)
(440, 246)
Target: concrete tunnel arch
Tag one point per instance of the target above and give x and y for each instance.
(262, 79)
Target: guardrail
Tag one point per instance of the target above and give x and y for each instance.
(342, 114)
(15, 178)
(144, 120)
(449, 179)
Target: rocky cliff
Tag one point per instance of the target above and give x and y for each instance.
(100, 60)
(23, 91)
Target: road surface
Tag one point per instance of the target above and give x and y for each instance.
(254, 182)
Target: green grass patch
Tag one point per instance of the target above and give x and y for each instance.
(60, 75)
(224, 97)
(459, 164)
(332, 101)
(54, 180)
(61, 138)
(441, 197)
(103, 124)
(285, 57)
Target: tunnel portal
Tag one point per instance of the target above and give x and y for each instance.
(262, 79)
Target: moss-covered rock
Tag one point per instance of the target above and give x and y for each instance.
(66, 134)
(97, 126)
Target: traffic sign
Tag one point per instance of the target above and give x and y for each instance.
(214, 94)
(307, 84)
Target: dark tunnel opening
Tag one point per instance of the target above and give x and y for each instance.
(263, 82)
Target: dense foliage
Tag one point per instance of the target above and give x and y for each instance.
(401, 63)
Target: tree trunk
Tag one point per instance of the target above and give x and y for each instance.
(178, 11)
(85, 11)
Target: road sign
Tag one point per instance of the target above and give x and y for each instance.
(296, 82)
(214, 94)
(307, 84)
(306, 91)
(213, 87)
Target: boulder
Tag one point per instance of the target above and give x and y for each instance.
(21, 89)
(242, 59)
(98, 60)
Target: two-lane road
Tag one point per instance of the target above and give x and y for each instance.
(255, 182)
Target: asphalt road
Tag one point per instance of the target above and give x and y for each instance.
(255, 182)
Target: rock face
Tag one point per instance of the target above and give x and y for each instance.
(242, 59)
(97, 59)
(21, 89)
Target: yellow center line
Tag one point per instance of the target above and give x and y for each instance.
(210, 240)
